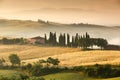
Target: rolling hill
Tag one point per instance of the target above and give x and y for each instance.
(27, 29)
(67, 56)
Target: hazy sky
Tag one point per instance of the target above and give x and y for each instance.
(105, 12)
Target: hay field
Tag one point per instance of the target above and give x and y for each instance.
(86, 58)
(67, 56)
(27, 52)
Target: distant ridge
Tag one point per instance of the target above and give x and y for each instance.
(47, 22)
(117, 26)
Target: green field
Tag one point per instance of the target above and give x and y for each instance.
(10, 73)
(58, 76)
(66, 76)
(118, 78)
(72, 76)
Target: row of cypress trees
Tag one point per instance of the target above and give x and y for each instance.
(83, 41)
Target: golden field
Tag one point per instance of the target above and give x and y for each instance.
(67, 56)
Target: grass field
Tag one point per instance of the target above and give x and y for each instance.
(118, 78)
(27, 52)
(65, 76)
(9, 73)
(67, 56)
(73, 76)
(58, 76)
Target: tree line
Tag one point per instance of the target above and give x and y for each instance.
(13, 41)
(83, 41)
(64, 40)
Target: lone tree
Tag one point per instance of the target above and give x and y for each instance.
(14, 59)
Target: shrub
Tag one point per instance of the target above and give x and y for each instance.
(23, 76)
(78, 68)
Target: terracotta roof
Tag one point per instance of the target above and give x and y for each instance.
(38, 37)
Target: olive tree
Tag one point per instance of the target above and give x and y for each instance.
(14, 59)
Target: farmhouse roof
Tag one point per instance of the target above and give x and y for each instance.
(38, 37)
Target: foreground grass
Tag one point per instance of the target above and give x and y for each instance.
(9, 73)
(65, 76)
(118, 78)
(58, 76)
(72, 76)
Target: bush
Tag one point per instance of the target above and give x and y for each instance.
(23, 76)
(78, 68)
(103, 71)
(90, 72)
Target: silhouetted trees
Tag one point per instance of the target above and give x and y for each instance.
(76, 40)
(62, 40)
(52, 39)
(101, 43)
(83, 41)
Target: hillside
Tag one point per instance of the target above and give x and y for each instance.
(27, 52)
(19, 28)
(67, 56)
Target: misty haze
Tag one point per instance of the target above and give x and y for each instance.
(59, 39)
(29, 29)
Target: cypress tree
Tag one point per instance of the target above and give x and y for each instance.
(64, 40)
(51, 38)
(68, 40)
(85, 41)
(88, 42)
(54, 39)
(76, 40)
(87, 35)
(60, 40)
(73, 41)
(79, 41)
(45, 39)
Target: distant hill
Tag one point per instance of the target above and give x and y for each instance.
(28, 28)
(117, 26)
